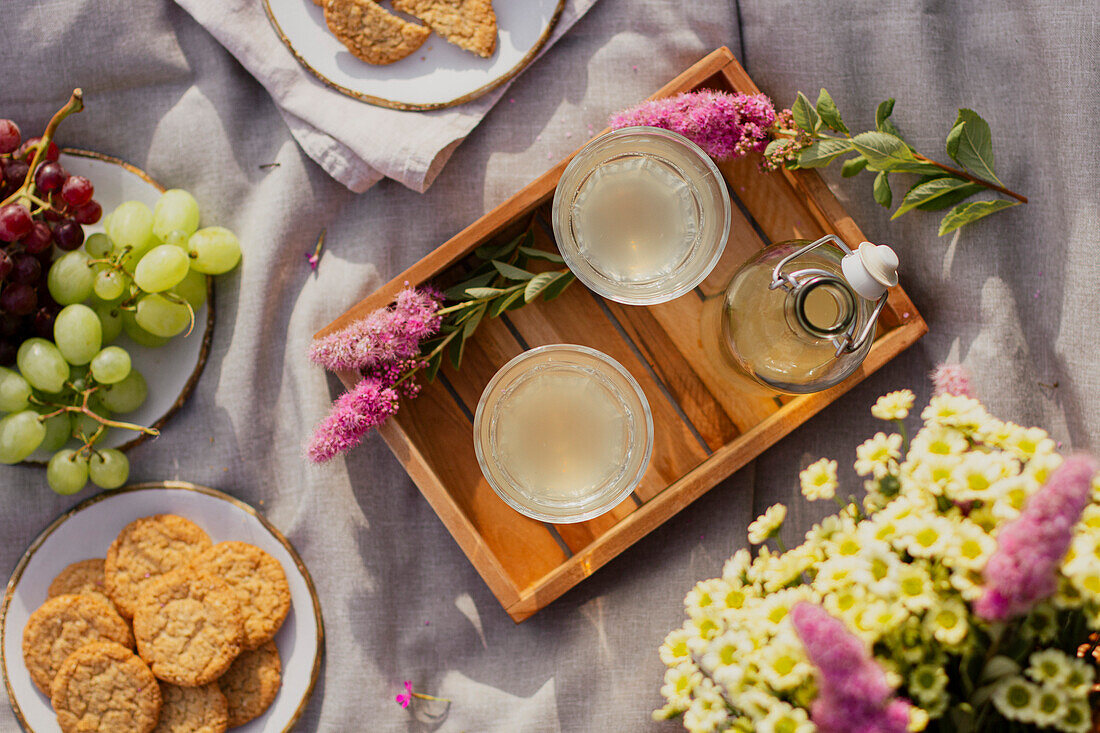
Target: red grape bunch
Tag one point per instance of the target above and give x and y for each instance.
(41, 206)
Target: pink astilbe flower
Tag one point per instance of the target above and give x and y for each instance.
(366, 406)
(386, 335)
(1023, 569)
(723, 125)
(951, 379)
(853, 694)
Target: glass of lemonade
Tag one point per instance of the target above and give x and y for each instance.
(563, 433)
(641, 215)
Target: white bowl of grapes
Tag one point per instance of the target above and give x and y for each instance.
(106, 308)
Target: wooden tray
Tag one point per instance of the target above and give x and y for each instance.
(703, 429)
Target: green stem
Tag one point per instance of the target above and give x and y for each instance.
(422, 696)
(968, 177)
(904, 436)
(75, 104)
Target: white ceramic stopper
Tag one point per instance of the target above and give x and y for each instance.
(871, 270)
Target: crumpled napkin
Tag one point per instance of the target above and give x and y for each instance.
(357, 143)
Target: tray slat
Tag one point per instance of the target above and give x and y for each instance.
(708, 422)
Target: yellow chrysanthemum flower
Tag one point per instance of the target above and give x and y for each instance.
(877, 456)
(767, 524)
(947, 622)
(894, 405)
(818, 480)
(783, 718)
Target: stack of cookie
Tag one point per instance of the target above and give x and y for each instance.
(202, 617)
(377, 36)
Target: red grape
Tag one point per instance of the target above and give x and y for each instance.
(68, 235)
(38, 239)
(77, 190)
(9, 136)
(27, 269)
(49, 177)
(15, 222)
(6, 264)
(19, 299)
(43, 322)
(15, 171)
(88, 213)
(10, 325)
(8, 351)
(52, 152)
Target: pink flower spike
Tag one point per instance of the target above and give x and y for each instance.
(354, 413)
(314, 257)
(952, 379)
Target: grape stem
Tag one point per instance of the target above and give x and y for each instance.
(84, 409)
(75, 104)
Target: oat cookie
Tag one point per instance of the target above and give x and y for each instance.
(372, 33)
(61, 626)
(468, 24)
(144, 551)
(83, 578)
(188, 627)
(252, 683)
(192, 709)
(105, 688)
(259, 582)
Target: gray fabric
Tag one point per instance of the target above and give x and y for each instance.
(1014, 297)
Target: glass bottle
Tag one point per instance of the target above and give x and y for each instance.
(800, 316)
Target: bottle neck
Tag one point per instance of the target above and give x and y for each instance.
(822, 305)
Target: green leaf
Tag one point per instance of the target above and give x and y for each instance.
(853, 166)
(511, 271)
(483, 293)
(948, 200)
(882, 150)
(928, 191)
(495, 251)
(475, 318)
(805, 116)
(885, 109)
(542, 254)
(775, 146)
(558, 287)
(823, 152)
(458, 292)
(964, 214)
(915, 166)
(829, 113)
(882, 192)
(970, 144)
(501, 304)
(455, 350)
(538, 284)
(432, 368)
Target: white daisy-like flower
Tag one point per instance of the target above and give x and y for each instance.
(1048, 666)
(894, 405)
(918, 719)
(1049, 707)
(708, 710)
(734, 568)
(976, 477)
(968, 547)
(767, 524)
(818, 480)
(938, 440)
(927, 536)
(947, 622)
(1015, 698)
(704, 596)
(724, 650)
(915, 587)
(1041, 624)
(1028, 443)
(1079, 677)
(1077, 717)
(680, 682)
(880, 618)
(927, 682)
(675, 648)
(955, 411)
(783, 718)
(784, 665)
(877, 456)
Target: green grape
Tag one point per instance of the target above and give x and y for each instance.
(20, 435)
(106, 222)
(193, 289)
(78, 333)
(134, 256)
(162, 268)
(86, 425)
(71, 278)
(59, 429)
(110, 284)
(214, 250)
(42, 365)
(109, 469)
(176, 210)
(130, 225)
(177, 238)
(98, 245)
(67, 472)
(138, 334)
(110, 320)
(15, 391)
(111, 365)
(161, 317)
(126, 396)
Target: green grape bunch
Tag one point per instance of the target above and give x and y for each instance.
(146, 276)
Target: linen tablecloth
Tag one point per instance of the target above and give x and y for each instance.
(1013, 297)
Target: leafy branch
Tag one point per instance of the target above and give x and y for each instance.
(502, 281)
(802, 142)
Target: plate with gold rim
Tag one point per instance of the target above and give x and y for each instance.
(435, 76)
(87, 531)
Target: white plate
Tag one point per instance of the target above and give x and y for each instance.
(436, 75)
(172, 370)
(88, 530)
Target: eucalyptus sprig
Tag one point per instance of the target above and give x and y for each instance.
(501, 282)
(802, 142)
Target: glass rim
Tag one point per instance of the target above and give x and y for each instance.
(587, 274)
(612, 500)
